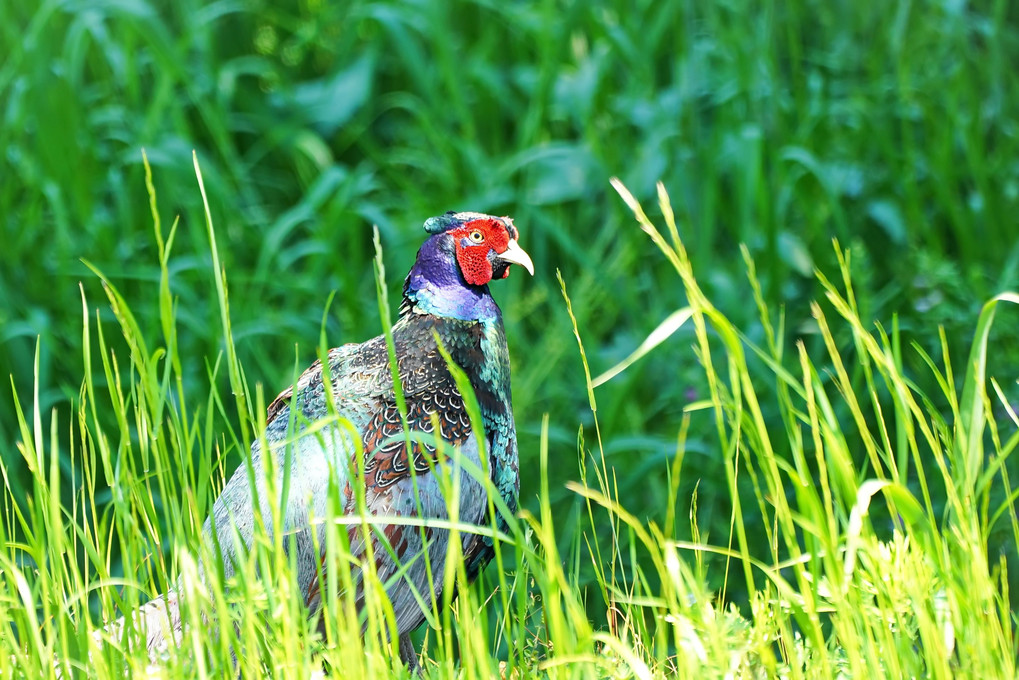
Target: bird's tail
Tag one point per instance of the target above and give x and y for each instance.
(159, 620)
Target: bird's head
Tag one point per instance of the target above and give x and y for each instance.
(485, 246)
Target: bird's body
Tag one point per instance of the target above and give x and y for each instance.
(447, 302)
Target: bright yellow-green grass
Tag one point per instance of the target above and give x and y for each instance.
(836, 594)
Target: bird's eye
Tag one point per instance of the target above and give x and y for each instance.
(477, 236)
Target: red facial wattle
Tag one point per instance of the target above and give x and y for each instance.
(474, 241)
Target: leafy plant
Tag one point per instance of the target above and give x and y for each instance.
(835, 592)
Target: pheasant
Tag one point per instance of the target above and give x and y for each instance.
(446, 301)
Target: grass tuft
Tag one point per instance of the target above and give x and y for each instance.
(863, 570)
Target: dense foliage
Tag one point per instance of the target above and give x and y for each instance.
(891, 127)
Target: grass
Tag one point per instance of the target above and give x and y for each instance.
(837, 593)
(780, 127)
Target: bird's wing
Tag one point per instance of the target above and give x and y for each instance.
(386, 460)
(363, 392)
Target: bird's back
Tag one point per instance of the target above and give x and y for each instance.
(395, 484)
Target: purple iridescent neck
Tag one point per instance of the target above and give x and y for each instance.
(436, 286)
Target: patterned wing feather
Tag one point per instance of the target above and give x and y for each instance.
(386, 459)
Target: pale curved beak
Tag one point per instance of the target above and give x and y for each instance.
(514, 254)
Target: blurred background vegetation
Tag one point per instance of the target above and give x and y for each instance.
(893, 127)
